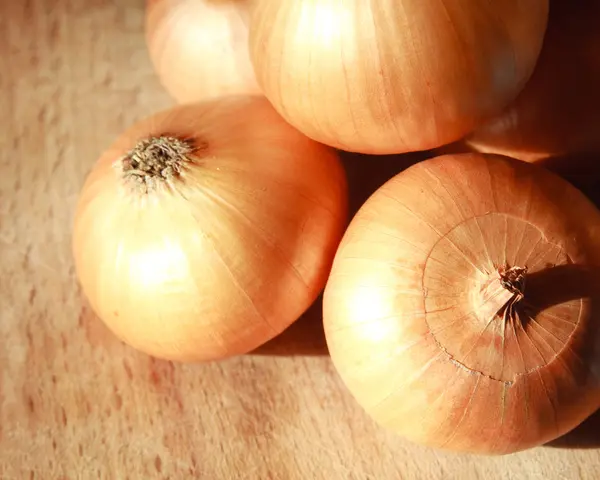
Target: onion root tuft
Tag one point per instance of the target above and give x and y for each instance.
(156, 159)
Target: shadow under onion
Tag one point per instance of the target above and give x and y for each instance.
(304, 337)
(586, 435)
(581, 170)
(365, 174)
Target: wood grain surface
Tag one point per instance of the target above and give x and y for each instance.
(77, 404)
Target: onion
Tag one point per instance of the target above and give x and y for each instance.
(207, 229)
(461, 310)
(558, 112)
(395, 75)
(199, 48)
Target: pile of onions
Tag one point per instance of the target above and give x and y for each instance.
(199, 48)
(393, 76)
(207, 229)
(558, 112)
(460, 305)
(461, 310)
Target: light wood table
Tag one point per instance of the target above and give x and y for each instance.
(77, 404)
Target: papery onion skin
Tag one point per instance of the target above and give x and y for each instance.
(405, 325)
(225, 256)
(393, 76)
(558, 111)
(199, 48)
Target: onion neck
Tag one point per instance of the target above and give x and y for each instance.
(500, 293)
(154, 161)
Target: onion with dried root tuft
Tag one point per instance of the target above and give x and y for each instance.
(462, 310)
(207, 229)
